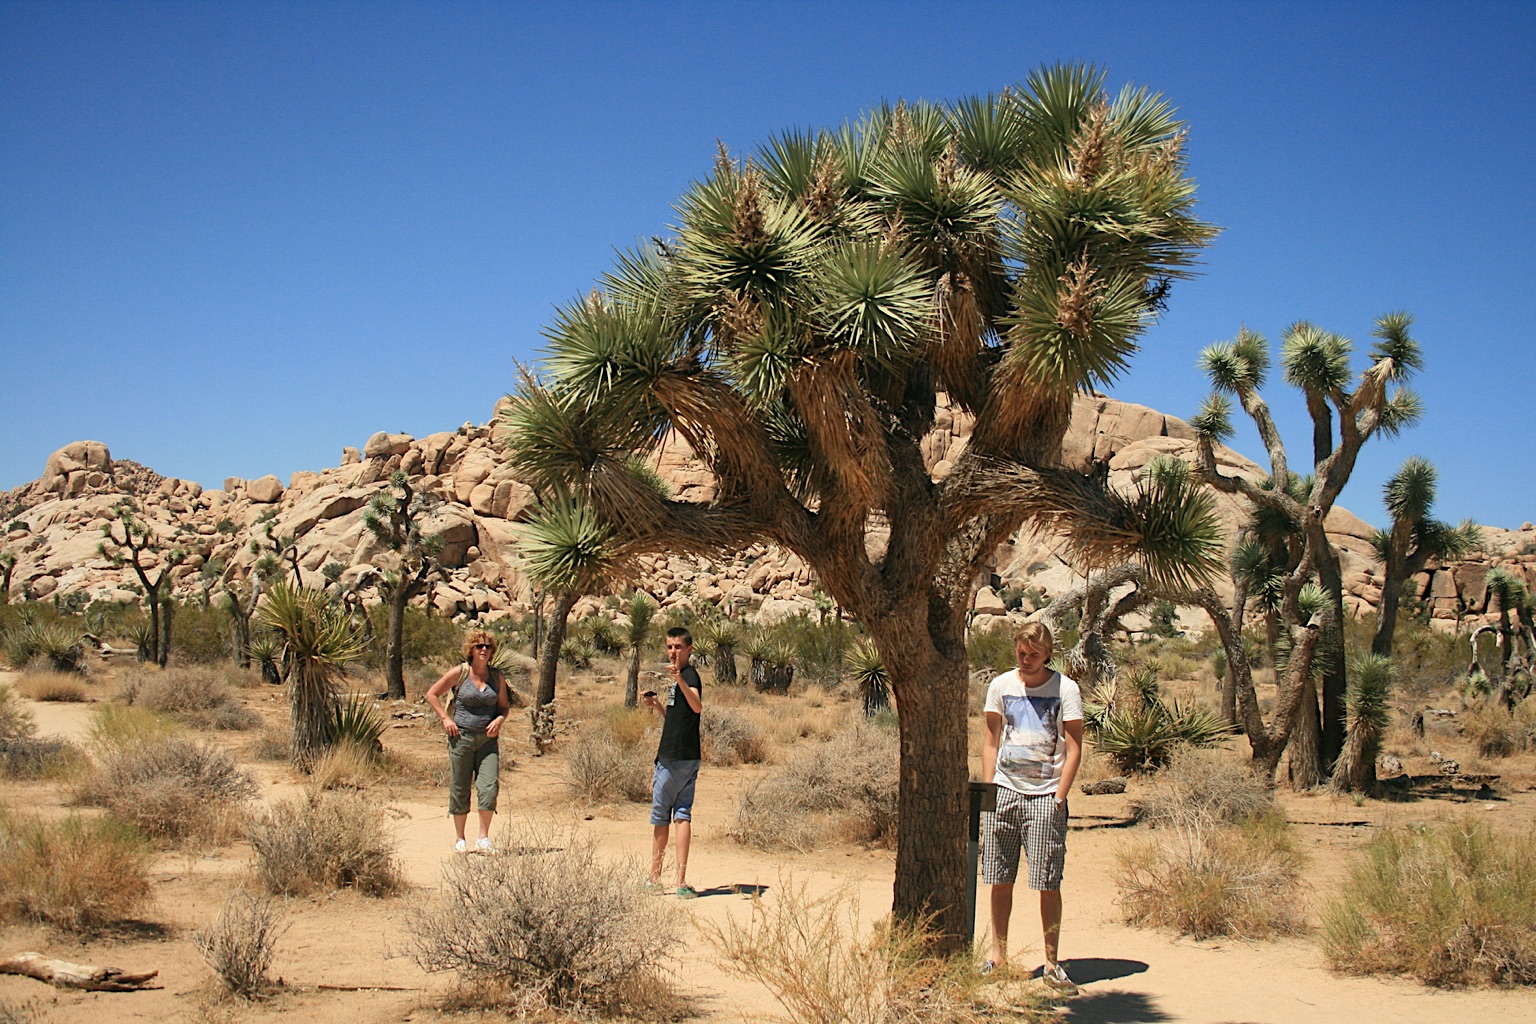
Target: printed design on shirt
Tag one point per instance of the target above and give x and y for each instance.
(1028, 749)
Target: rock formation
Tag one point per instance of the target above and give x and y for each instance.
(55, 524)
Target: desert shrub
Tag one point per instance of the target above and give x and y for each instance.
(345, 765)
(15, 717)
(555, 922)
(40, 757)
(55, 687)
(1204, 879)
(424, 639)
(201, 635)
(119, 724)
(843, 788)
(729, 737)
(1496, 732)
(201, 697)
(1202, 785)
(325, 841)
(990, 649)
(601, 766)
(170, 788)
(77, 874)
(821, 647)
(239, 945)
(1450, 904)
(824, 967)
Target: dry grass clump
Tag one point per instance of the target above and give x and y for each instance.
(550, 920)
(1204, 879)
(118, 725)
(824, 967)
(77, 874)
(325, 841)
(842, 789)
(57, 687)
(239, 945)
(1452, 904)
(1205, 785)
(1494, 731)
(170, 788)
(196, 696)
(730, 737)
(15, 717)
(611, 759)
(33, 758)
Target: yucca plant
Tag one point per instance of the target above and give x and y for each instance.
(358, 721)
(1143, 737)
(639, 630)
(868, 671)
(265, 649)
(720, 638)
(1366, 704)
(318, 641)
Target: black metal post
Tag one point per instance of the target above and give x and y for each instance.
(983, 798)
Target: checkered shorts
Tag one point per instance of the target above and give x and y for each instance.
(1035, 824)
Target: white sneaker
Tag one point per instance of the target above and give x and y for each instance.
(460, 847)
(1055, 976)
(483, 845)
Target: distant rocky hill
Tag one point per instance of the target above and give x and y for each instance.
(54, 523)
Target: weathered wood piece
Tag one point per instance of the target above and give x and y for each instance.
(63, 974)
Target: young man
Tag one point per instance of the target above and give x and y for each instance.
(677, 760)
(1032, 749)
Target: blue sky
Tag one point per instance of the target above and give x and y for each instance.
(237, 237)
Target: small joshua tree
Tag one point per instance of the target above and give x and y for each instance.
(129, 539)
(396, 516)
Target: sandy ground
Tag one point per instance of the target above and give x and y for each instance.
(1127, 974)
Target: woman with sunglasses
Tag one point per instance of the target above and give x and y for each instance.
(479, 710)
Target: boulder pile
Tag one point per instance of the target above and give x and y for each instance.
(53, 526)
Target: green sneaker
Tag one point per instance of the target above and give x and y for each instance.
(687, 892)
(652, 887)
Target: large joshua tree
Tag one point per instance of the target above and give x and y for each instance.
(1345, 414)
(814, 305)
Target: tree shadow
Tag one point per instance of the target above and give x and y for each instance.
(1112, 1008)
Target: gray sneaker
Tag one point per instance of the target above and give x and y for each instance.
(1055, 977)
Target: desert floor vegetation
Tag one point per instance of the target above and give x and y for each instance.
(325, 840)
(239, 945)
(823, 965)
(347, 938)
(1452, 903)
(842, 789)
(551, 920)
(47, 685)
(170, 787)
(200, 697)
(79, 874)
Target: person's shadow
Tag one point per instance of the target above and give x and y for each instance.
(738, 889)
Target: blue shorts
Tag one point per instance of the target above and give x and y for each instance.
(672, 791)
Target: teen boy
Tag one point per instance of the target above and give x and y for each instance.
(1033, 745)
(677, 760)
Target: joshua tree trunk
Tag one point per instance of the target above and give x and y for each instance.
(394, 649)
(554, 639)
(1306, 756)
(632, 681)
(164, 648)
(725, 663)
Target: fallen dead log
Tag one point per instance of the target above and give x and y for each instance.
(63, 974)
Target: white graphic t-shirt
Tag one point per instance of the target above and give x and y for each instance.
(1033, 747)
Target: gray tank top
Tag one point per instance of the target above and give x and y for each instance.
(474, 708)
